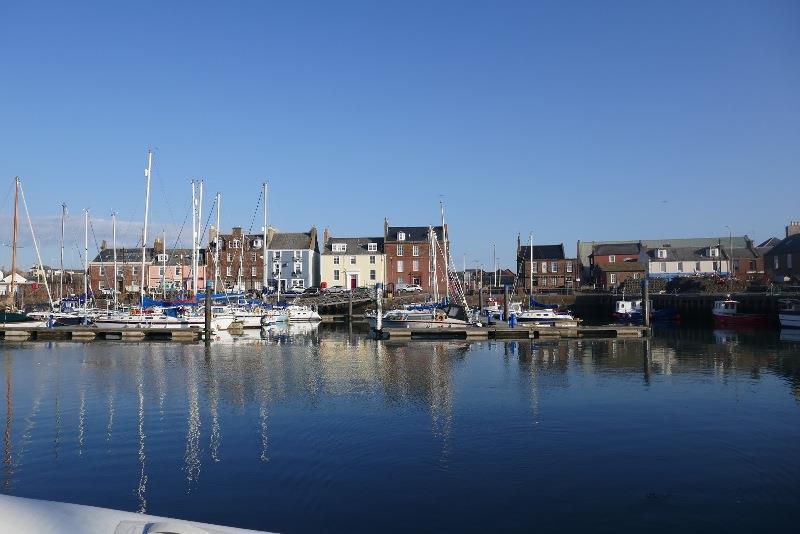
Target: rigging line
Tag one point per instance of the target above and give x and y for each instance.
(208, 221)
(180, 231)
(165, 195)
(255, 213)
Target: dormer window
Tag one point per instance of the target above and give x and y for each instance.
(220, 243)
(612, 259)
(236, 244)
(372, 247)
(661, 253)
(256, 243)
(713, 252)
(339, 247)
(401, 236)
(162, 258)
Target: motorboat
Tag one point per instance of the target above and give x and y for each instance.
(452, 316)
(726, 313)
(789, 313)
(302, 313)
(630, 311)
(544, 316)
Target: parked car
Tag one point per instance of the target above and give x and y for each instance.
(311, 291)
(336, 289)
(410, 288)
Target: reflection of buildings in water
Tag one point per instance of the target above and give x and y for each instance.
(790, 335)
(661, 358)
(212, 394)
(726, 337)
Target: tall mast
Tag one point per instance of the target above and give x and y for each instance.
(194, 239)
(445, 256)
(114, 248)
(61, 278)
(14, 243)
(147, 173)
(264, 249)
(530, 268)
(164, 264)
(199, 230)
(85, 263)
(216, 245)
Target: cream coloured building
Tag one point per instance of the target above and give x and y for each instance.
(352, 262)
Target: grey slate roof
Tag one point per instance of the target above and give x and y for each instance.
(278, 240)
(616, 248)
(134, 255)
(355, 245)
(541, 252)
(413, 233)
(790, 245)
(684, 254)
(585, 247)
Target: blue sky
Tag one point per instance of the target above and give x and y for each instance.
(573, 120)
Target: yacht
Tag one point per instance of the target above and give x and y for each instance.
(452, 316)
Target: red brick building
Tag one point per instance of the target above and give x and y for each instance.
(409, 258)
(611, 275)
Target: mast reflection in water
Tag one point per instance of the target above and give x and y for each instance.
(301, 430)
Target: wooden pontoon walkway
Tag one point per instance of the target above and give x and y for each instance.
(503, 331)
(88, 333)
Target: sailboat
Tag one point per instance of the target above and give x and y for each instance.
(10, 317)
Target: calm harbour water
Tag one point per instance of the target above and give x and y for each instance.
(323, 431)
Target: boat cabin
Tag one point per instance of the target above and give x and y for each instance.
(726, 307)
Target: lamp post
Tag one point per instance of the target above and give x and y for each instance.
(730, 251)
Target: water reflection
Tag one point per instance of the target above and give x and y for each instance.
(279, 404)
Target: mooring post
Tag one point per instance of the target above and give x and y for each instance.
(350, 305)
(505, 302)
(207, 336)
(379, 305)
(645, 302)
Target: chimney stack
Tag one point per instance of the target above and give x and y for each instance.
(793, 228)
(326, 235)
(103, 245)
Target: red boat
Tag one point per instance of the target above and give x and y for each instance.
(726, 313)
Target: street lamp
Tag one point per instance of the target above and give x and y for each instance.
(730, 251)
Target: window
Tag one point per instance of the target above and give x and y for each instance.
(613, 278)
(534, 265)
(230, 258)
(134, 271)
(336, 260)
(543, 282)
(372, 260)
(339, 247)
(352, 260)
(735, 265)
(697, 266)
(253, 271)
(101, 285)
(101, 271)
(161, 271)
(336, 275)
(372, 275)
(635, 276)
(415, 265)
(663, 266)
(713, 252)
(177, 270)
(553, 266)
(612, 259)
(119, 271)
(276, 268)
(298, 267)
(752, 265)
(415, 250)
(228, 271)
(400, 250)
(544, 266)
(299, 283)
(400, 266)
(401, 236)
(680, 266)
(256, 243)
(235, 244)
(569, 266)
(372, 247)
(715, 266)
(788, 261)
(252, 256)
(661, 253)
(297, 254)
(161, 258)
(776, 262)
